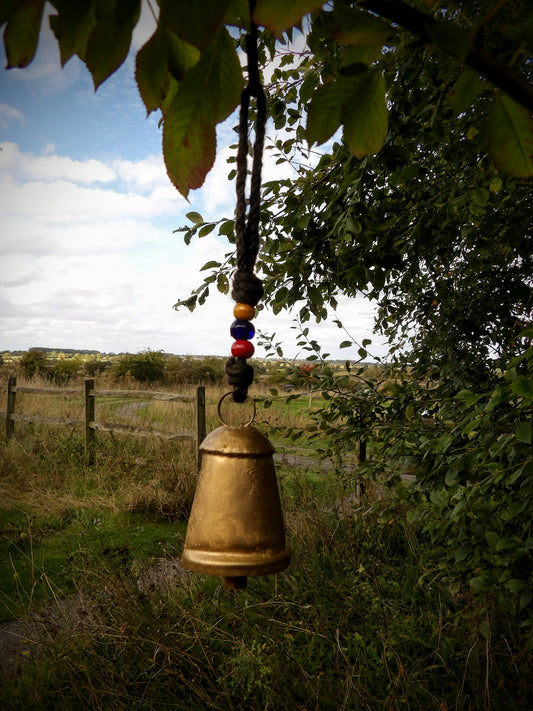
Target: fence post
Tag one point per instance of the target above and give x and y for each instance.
(362, 451)
(10, 410)
(200, 421)
(89, 420)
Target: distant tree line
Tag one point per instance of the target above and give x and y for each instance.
(151, 367)
(146, 367)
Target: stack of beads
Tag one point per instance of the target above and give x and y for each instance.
(242, 330)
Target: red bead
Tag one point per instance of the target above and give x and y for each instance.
(242, 349)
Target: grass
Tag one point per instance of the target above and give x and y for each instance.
(356, 622)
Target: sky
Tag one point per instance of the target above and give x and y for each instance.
(88, 256)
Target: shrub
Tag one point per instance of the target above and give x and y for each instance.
(179, 371)
(33, 362)
(96, 366)
(65, 370)
(146, 367)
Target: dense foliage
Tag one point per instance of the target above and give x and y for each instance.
(441, 240)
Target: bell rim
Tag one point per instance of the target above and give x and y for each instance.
(235, 564)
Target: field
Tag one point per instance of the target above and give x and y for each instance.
(98, 613)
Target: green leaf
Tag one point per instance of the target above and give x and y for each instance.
(492, 538)
(365, 116)
(281, 295)
(345, 344)
(465, 90)
(226, 228)
(443, 443)
(222, 283)
(351, 25)
(160, 64)
(484, 629)
(238, 14)
(210, 265)
(190, 303)
(496, 184)
(526, 597)
(207, 95)
(357, 101)
(110, 39)
(325, 110)
(510, 137)
(195, 22)
(279, 15)
(523, 431)
(478, 585)
(462, 553)
(439, 498)
(452, 39)
(151, 70)
(181, 56)
(195, 217)
(22, 33)
(72, 27)
(206, 229)
(6, 8)
(515, 585)
(480, 196)
(523, 386)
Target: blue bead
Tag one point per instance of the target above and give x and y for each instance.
(242, 330)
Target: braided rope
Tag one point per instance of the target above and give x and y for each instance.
(247, 287)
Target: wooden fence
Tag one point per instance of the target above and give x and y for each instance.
(91, 424)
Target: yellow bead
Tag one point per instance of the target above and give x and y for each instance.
(243, 312)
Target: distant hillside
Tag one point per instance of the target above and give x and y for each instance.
(68, 351)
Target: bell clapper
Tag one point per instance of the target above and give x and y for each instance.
(236, 582)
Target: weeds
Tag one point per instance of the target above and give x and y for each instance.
(340, 629)
(357, 622)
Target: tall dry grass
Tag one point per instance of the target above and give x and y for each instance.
(356, 622)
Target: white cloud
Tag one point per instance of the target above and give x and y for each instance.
(49, 167)
(144, 175)
(8, 114)
(218, 193)
(145, 27)
(98, 266)
(64, 202)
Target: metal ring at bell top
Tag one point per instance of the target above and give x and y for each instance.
(246, 424)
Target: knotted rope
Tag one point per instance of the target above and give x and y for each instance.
(247, 287)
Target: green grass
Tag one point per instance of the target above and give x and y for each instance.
(340, 629)
(358, 621)
(39, 553)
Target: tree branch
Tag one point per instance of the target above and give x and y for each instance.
(499, 74)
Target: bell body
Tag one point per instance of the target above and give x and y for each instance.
(236, 524)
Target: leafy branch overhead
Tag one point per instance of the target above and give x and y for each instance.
(190, 70)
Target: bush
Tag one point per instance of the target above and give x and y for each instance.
(96, 366)
(145, 367)
(65, 370)
(179, 371)
(33, 362)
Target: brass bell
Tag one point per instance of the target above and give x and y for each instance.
(236, 523)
